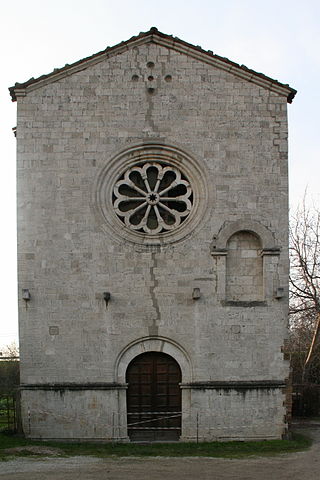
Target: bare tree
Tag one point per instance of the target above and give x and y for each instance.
(9, 369)
(11, 351)
(305, 275)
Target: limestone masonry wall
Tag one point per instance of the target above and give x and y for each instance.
(70, 252)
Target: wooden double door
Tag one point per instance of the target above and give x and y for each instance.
(154, 398)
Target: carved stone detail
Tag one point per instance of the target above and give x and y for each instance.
(152, 198)
(152, 194)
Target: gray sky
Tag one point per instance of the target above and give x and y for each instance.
(278, 38)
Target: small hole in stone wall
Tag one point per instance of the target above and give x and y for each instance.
(150, 64)
(151, 90)
(135, 78)
(168, 78)
(150, 78)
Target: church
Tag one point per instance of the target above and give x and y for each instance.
(153, 247)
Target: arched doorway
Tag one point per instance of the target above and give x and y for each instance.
(154, 397)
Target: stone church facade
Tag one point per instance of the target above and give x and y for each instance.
(153, 247)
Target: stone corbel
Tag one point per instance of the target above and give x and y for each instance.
(20, 92)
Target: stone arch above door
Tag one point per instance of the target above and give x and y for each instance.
(153, 344)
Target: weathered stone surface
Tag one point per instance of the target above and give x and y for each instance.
(75, 137)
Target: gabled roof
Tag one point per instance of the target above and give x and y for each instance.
(156, 37)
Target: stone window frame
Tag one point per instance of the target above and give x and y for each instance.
(269, 251)
(108, 176)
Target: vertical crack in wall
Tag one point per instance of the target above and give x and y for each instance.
(215, 274)
(153, 329)
(149, 112)
(151, 91)
(149, 85)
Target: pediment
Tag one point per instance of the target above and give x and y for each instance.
(168, 41)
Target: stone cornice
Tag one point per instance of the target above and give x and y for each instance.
(72, 386)
(156, 37)
(235, 385)
(211, 385)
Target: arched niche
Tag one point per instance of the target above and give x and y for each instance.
(219, 241)
(220, 251)
(244, 268)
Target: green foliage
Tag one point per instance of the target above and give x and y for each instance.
(9, 376)
(7, 412)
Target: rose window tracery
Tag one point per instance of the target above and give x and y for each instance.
(152, 198)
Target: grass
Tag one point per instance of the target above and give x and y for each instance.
(208, 449)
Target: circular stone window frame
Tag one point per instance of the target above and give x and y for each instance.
(138, 155)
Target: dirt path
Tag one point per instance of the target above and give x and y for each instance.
(300, 466)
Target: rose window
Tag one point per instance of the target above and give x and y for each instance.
(152, 198)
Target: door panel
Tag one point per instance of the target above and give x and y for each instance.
(154, 397)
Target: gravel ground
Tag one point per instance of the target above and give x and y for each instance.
(300, 466)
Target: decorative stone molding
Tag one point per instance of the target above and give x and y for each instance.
(243, 304)
(219, 252)
(72, 386)
(151, 194)
(271, 251)
(153, 344)
(152, 198)
(235, 384)
(219, 242)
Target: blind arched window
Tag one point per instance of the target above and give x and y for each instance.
(244, 273)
